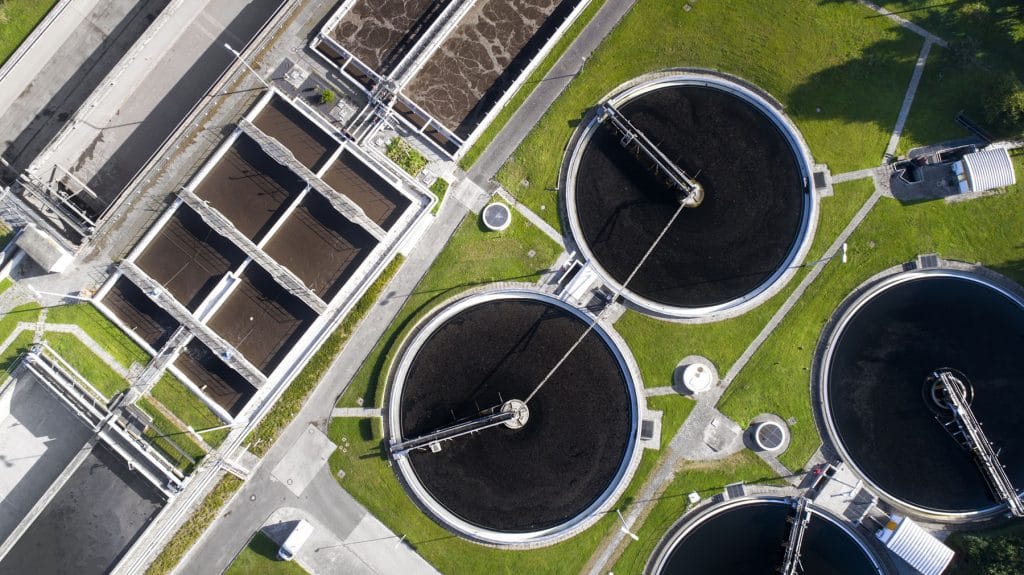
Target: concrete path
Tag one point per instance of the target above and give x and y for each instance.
(689, 442)
(532, 217)
(908, 98)
(905, 23)
(564, 70)
(361, 412)
(855, 175)
(369, 549)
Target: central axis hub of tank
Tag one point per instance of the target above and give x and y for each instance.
(691, 193)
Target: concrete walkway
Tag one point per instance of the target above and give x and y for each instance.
(905, 23)
(532, 217)
(361, 412)
(854, 175)
(689, 442)
(908, 98)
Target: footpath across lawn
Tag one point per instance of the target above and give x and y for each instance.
(840, 73)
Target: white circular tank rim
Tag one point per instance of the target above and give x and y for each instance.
(826, 365)
(664, 551)
(423, 330)
(808, 224)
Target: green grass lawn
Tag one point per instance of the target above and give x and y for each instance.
(173, 395)
(840, 74)
(777, 379)
(529, 85)
(370, 480)
(5, 284)
(952, 81)
(706, 478)
(88, 364)
(17, 20)
(162, 433)
(27, 313)
(101, 330)
(9, 356)
(472, 257)
(193, 528)
(260, 558)
(996, 550)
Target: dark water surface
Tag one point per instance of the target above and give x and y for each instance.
(751, 539)
(721, 250)
(877, 375)
(570, 449)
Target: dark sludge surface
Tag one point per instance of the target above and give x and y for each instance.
(569, 451)
(752, 539)
(725, 248)
(876, 383)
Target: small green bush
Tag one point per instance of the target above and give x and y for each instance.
(407, 157)
(1004, 106)
(440, 188)
(327, 96)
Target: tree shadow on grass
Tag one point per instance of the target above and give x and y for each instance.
(991, 25)
(867, 88)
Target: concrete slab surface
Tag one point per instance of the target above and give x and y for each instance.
(90, 523)
(175, 70)
(54, 84)
(39, 437)
(305, 458)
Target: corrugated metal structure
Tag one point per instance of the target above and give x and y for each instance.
(989, 169)
(915, 545)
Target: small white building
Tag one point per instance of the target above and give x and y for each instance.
(917, 547)
(985, 170)
(44, 250)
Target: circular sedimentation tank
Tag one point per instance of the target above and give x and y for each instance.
(879, 399)
(565, 456)
(755, 218)
(749, 536)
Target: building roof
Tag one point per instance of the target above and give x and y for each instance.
(43, 249)
(989, 169)
(916, 546)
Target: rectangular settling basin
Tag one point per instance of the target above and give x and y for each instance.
(214, 378)
(188, 258)
(261, 319)
(249, 188)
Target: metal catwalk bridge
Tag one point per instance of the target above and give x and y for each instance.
(966, 428)
(692, 193)
(798, 526)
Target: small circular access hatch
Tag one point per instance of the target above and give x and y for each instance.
(769, 436)
(497, 217)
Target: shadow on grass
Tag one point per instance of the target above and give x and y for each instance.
(868, 88)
